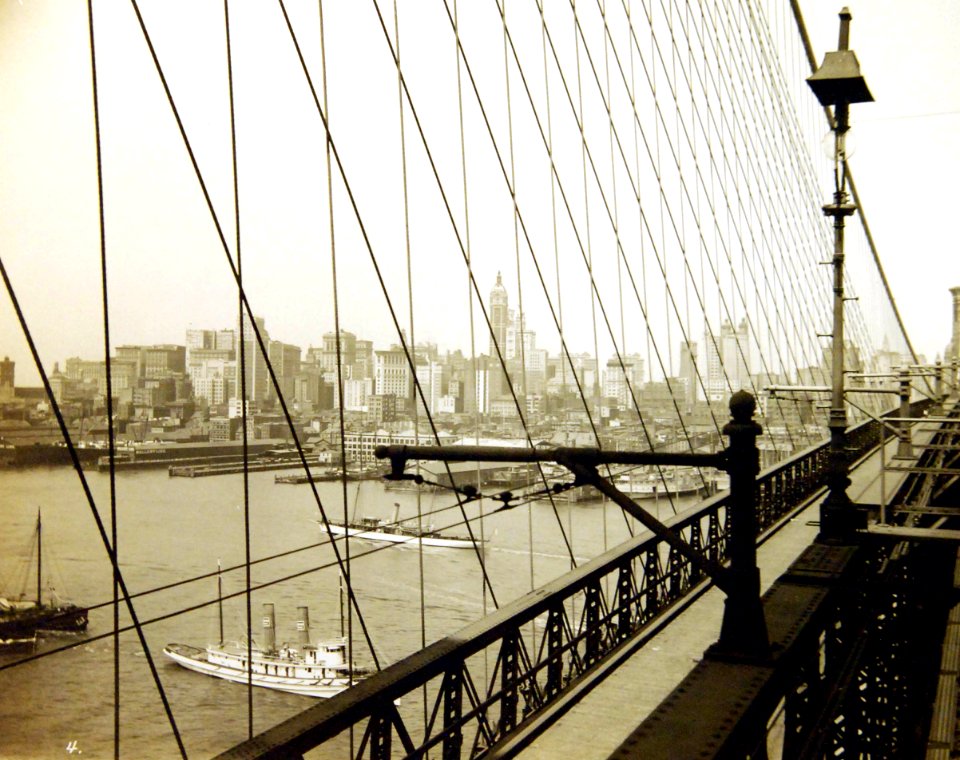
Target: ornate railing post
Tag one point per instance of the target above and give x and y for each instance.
(744, 629)
(905, 447)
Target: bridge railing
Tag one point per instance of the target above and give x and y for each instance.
(448, 698)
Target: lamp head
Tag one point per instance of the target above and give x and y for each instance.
(838, 80)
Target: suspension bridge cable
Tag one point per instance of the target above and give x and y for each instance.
(413, 341)
(456, 230)
(111, 445)
(243, 367)
(521, 341)
(473, 368)
(811, 59)
(108, 547)
(664, 368)
(677, 230)
(367, 243)
(563, 197)
(248, 309)
(338, 344)
(690, 142)
(616, 233)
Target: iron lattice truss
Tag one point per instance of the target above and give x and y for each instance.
(495, 680)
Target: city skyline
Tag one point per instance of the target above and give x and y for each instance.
(166, 262)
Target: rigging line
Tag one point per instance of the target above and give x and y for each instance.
(373, 259)
(243, 369)
(208, 603)
(620, 247)
(338, 345)
(111, 443)
(680, 176)
(249, 310)
(456, 230)
(117, 574)
(261, 560)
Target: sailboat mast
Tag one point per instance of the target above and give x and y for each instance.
(220, 600)
(39, 559)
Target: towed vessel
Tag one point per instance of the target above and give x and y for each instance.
(312, 670)
(395, 532)
(22, 619)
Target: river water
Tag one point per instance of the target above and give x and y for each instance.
(172, 529)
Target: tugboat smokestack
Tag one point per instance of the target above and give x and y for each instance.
(269, 628)
(303, 625)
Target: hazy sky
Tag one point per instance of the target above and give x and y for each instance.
(167, 268)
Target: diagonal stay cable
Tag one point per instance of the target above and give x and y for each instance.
(111, 442)
(248, 308)
(108, 547)
(243, 371)
(669, 211)
(341, 422)
(369, 247)
(610, 330)
(449, 211)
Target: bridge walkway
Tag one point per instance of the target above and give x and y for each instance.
(599, 723)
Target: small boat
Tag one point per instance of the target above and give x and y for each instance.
(313, 670)
(645, 484)
(21, 619)
(395, 532)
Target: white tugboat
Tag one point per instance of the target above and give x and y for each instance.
(313, 670)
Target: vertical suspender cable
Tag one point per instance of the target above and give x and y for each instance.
(345, 576)
(413, 341)
(473, 367)
(242, 339)
(111, 450)
(108, 547)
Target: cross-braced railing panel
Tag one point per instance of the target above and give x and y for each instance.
(480, 684)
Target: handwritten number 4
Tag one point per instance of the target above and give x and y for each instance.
(72, 747)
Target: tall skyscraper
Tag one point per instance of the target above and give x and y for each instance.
(499, 318)
(723, 362)
(256, 378)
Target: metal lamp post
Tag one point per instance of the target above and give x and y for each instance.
(838, 83)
